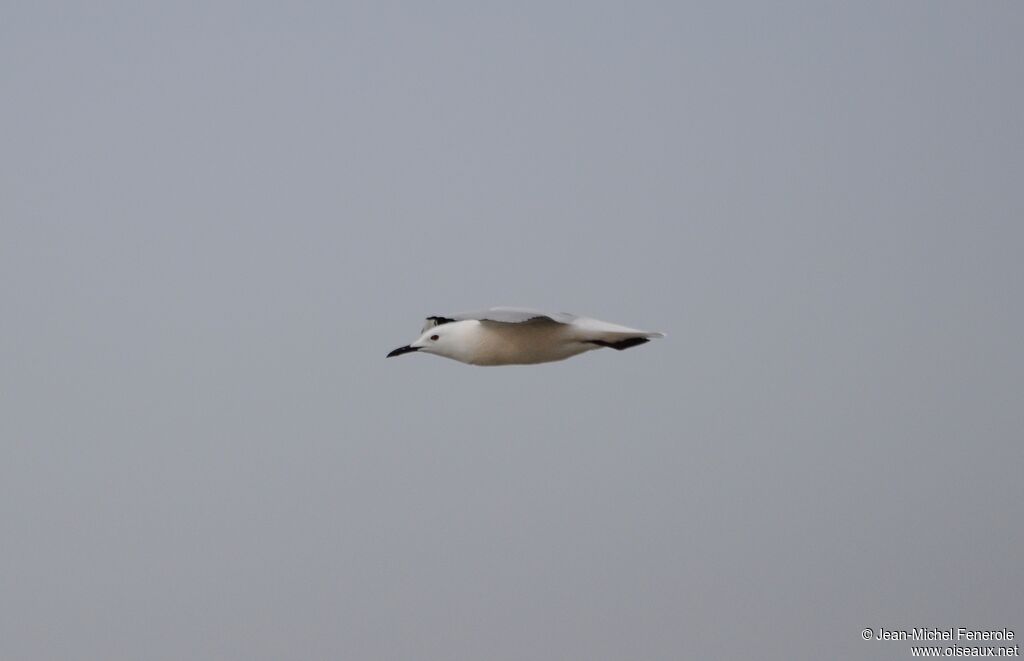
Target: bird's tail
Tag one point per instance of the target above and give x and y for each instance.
(619, 337)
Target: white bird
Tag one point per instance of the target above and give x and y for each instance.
(519, 336)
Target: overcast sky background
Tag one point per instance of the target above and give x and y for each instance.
(217, 218)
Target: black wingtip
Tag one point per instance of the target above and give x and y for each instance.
(621, 344)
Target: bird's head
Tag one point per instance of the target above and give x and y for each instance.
(451, 340)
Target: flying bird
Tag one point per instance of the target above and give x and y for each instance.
(519, 336)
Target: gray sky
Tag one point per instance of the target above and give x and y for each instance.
(216, 219)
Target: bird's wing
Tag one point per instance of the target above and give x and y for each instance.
(430, 322)
(587, 326)
(503, 316)
(515, 316)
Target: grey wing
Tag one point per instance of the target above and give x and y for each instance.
(515, 316)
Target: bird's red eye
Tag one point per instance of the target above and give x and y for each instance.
(434, 337)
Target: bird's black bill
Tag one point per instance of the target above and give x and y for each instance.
(400, 350)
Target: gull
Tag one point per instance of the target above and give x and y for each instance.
(519, 336)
